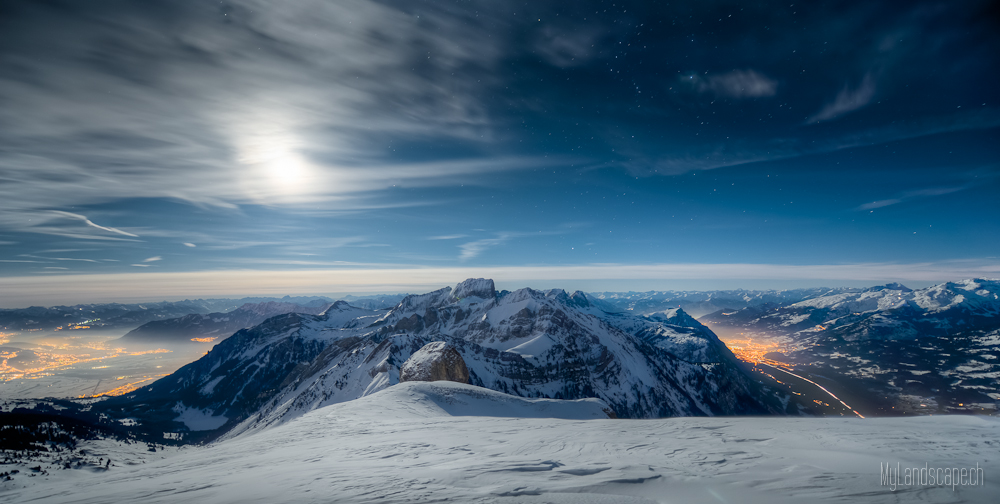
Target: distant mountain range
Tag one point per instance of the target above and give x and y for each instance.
(699, 303)
(928, 350)
(527, 343)
(119, 315)
(212, 326)
(890, 311)
(129, 316)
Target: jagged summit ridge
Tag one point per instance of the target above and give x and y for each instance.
(475, 287)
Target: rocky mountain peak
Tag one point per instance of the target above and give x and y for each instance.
(578, 299)
(893, 286)
(475, 287)
(675, 316)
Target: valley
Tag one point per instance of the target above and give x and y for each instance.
(764, 357)
(894, 351)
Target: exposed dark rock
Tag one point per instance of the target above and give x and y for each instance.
(436, 361)
(475, 287)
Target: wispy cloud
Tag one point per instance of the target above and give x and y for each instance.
(264, 126)
(141, 265)
(91, 224)
(474, 248)
(848, 100)
(735, 153)
(186, 244)
(447, 237)
(58, 251)
(567, 46)
(911, 195)
(58, 258)
(152, 259)
(879, 204)
(271, 262)
(54, 222)
(735, 84)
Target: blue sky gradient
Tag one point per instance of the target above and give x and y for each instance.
(179, 137)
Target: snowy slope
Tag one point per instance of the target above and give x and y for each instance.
(444, 398)
(413, 443)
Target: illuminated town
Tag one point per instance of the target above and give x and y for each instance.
(748, 349)
(46, 359)
(124, 389)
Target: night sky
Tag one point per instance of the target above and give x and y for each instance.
(642, 144)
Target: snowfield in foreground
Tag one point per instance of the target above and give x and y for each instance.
(418, 442)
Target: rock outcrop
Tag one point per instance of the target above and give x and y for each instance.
(435, 361)
(475, 287)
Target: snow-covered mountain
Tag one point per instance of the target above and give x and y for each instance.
(527, 343)
(928, 350)
(699, 303)
(890, 311)
(375, 301)
(217, 325)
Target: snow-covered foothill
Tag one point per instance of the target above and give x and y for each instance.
(446, 398)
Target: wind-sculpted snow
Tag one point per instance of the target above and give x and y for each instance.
(527, 343)
(416, 442)
(444, 399)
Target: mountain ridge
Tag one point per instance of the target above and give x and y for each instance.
(527, 343)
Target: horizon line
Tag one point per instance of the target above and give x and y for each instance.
(71, 289)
